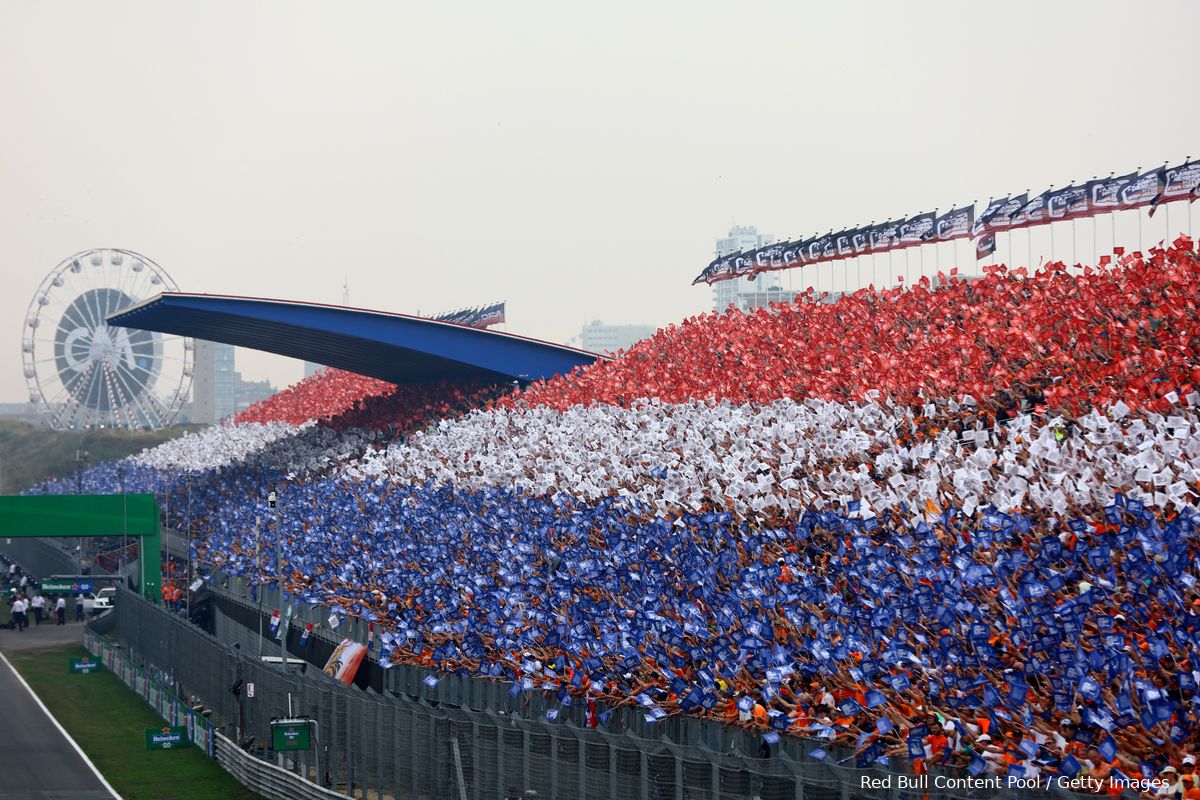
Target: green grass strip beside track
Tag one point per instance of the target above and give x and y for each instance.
(108, 721)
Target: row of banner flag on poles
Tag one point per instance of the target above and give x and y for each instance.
(1099, 196)
(478, 317)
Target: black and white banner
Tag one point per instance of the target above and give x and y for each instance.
(1003, 216)
(1182, 182)
(1104, 194)
(918, 230)
(985, 245)
(819, 248)
(955, 224)
(1032, 213)
(1068, 202)
(885, 236)
(1142, 190)
(984, 220)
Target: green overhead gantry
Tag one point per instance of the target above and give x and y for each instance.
(66, 515)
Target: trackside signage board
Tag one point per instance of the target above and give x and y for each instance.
(166, 738)
(83, 666)
(291, 734)
(58, 585)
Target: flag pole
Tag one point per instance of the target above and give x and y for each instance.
(1095, 249)
(922, 246)
(907, 268)
(1167, 214)
(1138, 212)
(1074, 259)
(1190, 197)
(1166, 205)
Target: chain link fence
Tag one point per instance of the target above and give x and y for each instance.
(146, 685)
(398, 738)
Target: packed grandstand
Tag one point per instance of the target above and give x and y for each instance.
(954, 523)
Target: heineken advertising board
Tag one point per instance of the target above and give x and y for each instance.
(57, 585)
(83, 666)
(291, 734)
(165, 738)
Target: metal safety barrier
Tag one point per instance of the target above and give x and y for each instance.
(270, 781)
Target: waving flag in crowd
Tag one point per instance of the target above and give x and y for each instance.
(927, 524)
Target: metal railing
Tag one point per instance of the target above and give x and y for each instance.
(271, 781)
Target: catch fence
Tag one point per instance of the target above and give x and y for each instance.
(400, 742)
(148, 685)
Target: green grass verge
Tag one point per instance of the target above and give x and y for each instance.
(108, 721)
(33, 453)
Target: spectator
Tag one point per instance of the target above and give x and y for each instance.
(19, 613)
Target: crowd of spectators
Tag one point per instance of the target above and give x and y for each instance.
(326, 393)
(412, 406)
(776, 460)
(1118, 332)
(978, 547)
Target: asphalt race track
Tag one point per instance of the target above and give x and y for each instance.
(37, 762)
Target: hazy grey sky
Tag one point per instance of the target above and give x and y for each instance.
(576, 160)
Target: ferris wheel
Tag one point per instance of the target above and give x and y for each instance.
(82, 373)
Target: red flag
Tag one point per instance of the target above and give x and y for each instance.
(591, 718)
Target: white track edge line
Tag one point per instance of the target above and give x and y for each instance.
(61, 729)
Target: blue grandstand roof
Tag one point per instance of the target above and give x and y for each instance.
(393, 347)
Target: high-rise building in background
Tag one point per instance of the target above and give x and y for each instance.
(247, 393)
(218, 389)
(763, 290)
(600, 338)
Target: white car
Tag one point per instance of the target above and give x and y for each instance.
(103, 599)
